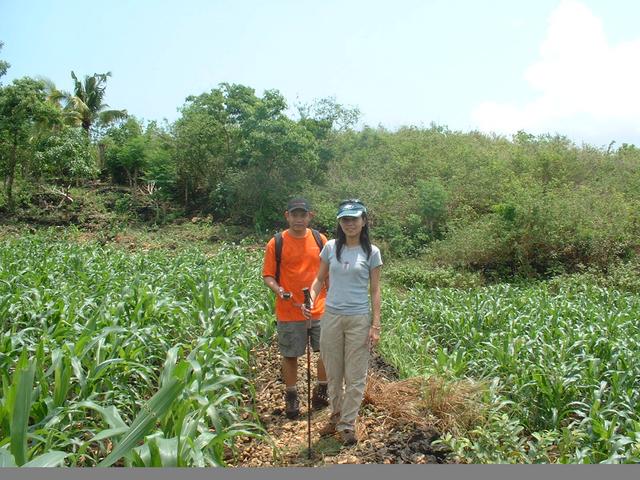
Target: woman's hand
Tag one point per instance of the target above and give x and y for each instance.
(314, 290)
(306, 312)
(374, 335)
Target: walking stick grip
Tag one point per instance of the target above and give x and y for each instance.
(307, 297)
(307, 303)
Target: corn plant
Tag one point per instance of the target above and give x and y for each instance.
(566, 359)
(113, 358)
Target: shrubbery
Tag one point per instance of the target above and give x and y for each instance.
(521, 206)
(413, 273)
(544, 233)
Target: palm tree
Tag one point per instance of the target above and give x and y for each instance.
(55, 97)
(4, 66)
(85, 105)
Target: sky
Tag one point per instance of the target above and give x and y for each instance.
(568, 67)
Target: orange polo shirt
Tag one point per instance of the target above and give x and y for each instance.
(298, 269)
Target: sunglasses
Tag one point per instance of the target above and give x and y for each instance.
(352, 200)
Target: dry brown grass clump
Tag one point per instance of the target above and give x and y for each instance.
(399, 400)
(456, 404)
(448, 406)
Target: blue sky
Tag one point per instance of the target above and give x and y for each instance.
(550, 66)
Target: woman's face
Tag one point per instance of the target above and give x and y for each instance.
(352, 226)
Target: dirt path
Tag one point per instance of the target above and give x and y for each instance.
(382, 438)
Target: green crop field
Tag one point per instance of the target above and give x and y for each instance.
(561, 361)
(112, 357)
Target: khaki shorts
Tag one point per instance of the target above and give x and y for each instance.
(292, 337)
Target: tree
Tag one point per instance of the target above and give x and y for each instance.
(4, 66)
(22, 106)
(326, 111)
(281, 157)
(326, 120)
(136, 153)
(432, 203)
(125, 151)
(160, 170)
(242, 154)
(60, 101)
(86, 103)
(66, 154)
(204, 141)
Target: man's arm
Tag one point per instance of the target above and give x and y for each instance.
(273, 285)
(269, 269)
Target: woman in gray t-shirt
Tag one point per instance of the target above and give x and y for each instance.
(350, 325)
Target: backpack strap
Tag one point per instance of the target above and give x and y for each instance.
(278, 239)
(316, 235)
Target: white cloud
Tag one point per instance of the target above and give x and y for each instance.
(584, 86)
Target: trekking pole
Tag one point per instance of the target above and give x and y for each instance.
(307, 304)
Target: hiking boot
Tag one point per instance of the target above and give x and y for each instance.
(292, 408)
(327, 429)
(348, 437)
(320, 398)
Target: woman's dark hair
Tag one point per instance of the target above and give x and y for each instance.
(341, 238)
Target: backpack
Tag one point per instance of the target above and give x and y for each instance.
(278, 238)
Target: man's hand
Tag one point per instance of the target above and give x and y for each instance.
(283, 295)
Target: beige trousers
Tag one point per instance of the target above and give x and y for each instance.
(344, 348)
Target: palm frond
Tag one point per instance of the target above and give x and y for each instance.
(54, 95)
(87, 101)
(108, 116)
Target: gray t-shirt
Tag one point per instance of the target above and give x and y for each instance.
(349, 279)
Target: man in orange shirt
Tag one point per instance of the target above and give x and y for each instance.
(299, 264)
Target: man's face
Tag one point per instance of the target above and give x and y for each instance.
(298, 219)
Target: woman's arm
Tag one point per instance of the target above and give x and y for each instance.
(321, 277)
(376, 300)
(316, 286)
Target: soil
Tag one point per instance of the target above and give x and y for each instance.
(382, 439)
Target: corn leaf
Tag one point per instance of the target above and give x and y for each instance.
(24, 375)
(152, 411)
(49, 459)
(110, 414)
(108, 433)
(6, 459)
(169, 365)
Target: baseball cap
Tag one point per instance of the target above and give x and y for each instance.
(351, 208)
(298, 204)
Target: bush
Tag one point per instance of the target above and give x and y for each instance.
(623, 276)
(538, 232)
(416, 273)
(124, 205)
(477, 244)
